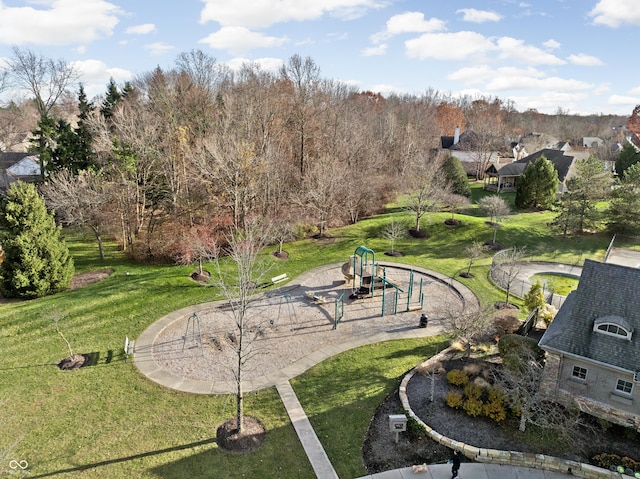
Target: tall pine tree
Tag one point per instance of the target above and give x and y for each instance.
(37, 261)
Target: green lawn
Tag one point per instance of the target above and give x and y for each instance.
(107, 420)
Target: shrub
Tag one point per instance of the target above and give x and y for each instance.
(495, 410)
(454, 399)
(497, 395)
(302, 229)
(472, 391)
(473, 406)
(472, 369)
(457, 377)
(606, 461)
(482, 383)
(415, 429)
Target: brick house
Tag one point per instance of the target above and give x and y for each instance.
(593, 345)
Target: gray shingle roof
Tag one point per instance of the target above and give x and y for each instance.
(560, 161)
(604, 290)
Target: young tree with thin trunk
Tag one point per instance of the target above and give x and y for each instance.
(473, 251)
(243, 251)
(506, 267)
(393, 231)
(497, 209)
(468, 325)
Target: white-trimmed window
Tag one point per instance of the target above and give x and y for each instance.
(613, 326)
(579, 373)
(624, 387)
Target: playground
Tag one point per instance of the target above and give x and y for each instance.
(330, 307)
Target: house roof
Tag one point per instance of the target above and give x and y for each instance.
(10, 158)
(446, 142)
(605, 291)
(560, 161)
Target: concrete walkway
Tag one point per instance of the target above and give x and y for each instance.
(469, 471)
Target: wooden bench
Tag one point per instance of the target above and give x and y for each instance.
(279, 279)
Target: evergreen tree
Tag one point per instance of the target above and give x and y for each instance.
(627, 157)
(623, 213)
(456, 176)
(534, 299)
(57, 144)
(111, 99)
(85, 158)
(538, 185)
(37, 261)
(590, 184)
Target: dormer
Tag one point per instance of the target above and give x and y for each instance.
(613, 326)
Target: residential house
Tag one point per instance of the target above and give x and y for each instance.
(464, 146)
(592, 142)
(592, 346)
(16, 166)
(505, 179)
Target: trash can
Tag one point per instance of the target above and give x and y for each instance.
(424, 320)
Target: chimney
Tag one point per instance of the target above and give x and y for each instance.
(456, 136)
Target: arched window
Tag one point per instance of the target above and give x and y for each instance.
(613, 326)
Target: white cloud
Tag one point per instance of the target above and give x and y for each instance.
(386, 90)
(96, 70)
(548, 103)
(58, 22)
(635, 91)
(143, 29)
(408, 22)
(267, 64)
(504, 83)
(483, 73)
(584, 60)
(375, 50)
(158, 48)
(263, 13)
(448, 46)
(624, 100)
(514, 49)
(479, 16)
(614, 13)
(239, 40)
(552, 44)
(95, 75)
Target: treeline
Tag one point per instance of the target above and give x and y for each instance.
(180, 154)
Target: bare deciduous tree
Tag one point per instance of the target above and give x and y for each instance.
(467, 325)
(506, 267)
(244, 246)
(473, 251)
(79, 200)
(322, 190)
(520, 379)
(44, 78)
(427, 190)
(497, 209)
(199, 245)
(394, 230)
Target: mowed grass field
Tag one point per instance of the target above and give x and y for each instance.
(108, 421)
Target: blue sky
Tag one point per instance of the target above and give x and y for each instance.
(578, 55)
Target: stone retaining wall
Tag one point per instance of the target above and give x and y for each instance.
(495, 456)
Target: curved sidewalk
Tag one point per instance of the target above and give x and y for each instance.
(469, 471)
(144, 358)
